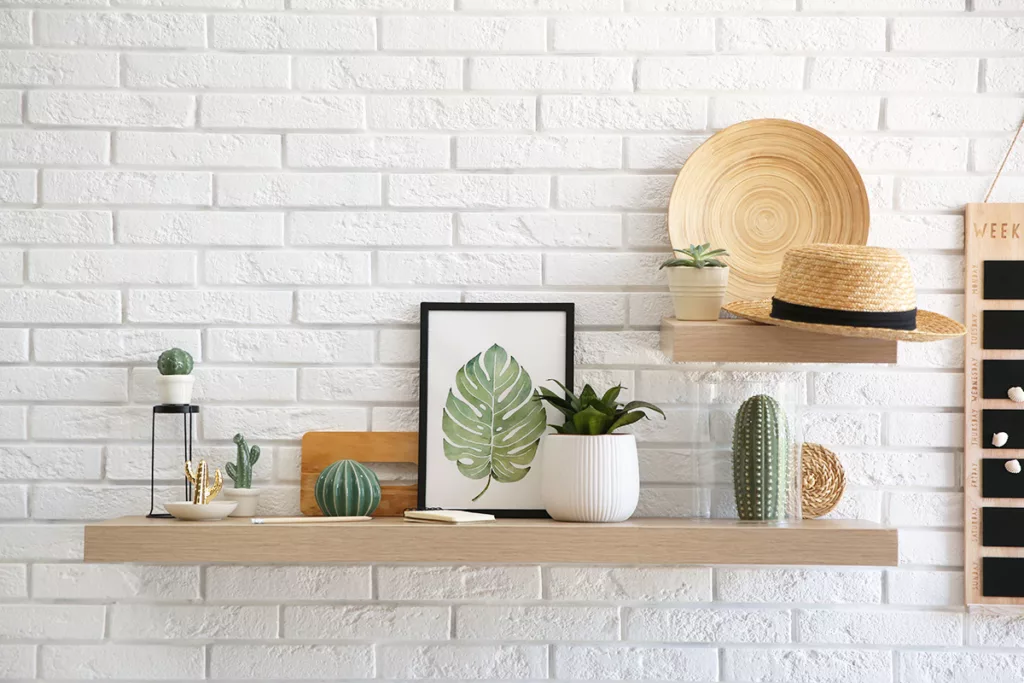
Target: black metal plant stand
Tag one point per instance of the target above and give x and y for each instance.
(186, 410)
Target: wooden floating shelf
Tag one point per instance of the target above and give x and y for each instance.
(741, 341)
(506, 541)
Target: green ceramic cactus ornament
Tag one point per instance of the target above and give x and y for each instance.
(175, 362)
(760, 459)
(347, 489)
(241, 470)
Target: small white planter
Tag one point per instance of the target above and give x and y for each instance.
(590, 478)
(175, 389)
(246, 499)
(697, 293)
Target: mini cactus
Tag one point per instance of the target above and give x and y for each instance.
(240, 471)
(200, 478)
(175, 362)
(760, 459)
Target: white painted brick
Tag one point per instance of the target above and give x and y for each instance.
(378, 73)
(894, 74)
(40, 542)
(641, 584)
(926, 509)
(10, 106)
(206, 71)
(13, 582)
(223, 422)
(988, 153)
(451, 112)
(576, 74)
(540, 230)
(16, 27)
(120, 662)
(110, 345)
(158, 622)
(618, 348)
(888, 389)
(904, 231)
(121, 29)
(635, 33)
(905, 153)
(13, 422)
(11, 266)
(298, 189)
(281, 111)
(210, 306)
(464, 33)
(361, 622)
(59, 306)
(953, 113)
(721, 73)
(17, 187)
(543, 5)
(458, 268)
(198, 149)
(287, 267)
(879, 5)
(73, 622)
(358, 384)
(390, 419)
(90, 502)
(289, 346)
(271, 584)
(458, 583)
(950, 193)
(706, 625)
(807, 666)
(60, 266)
(862, 627)
(292, 32)
(591, 309)
(40, 67)
(647, 230)
(39, 226)
(369, 228)
(63, 384)
(13, 345)
(54, 147)
(614, 192)
(843, 428)
(115, 582)
(529, 151)
(131, 463)
(13, 502)
(94, 422)
(537, 622)
(993, 627)
(957, 34)
(470, 190)
(200, 228)
(925, 429)
(1003, 74)
(467, 662)
(658, 152)
(928, 588)
(800, 586)
(827, 112)
(236, 385)
(899, 469)
(311, 150)
(377, 306)
(295, 662)
(624, 112)
(669, 465)
(976, 667)
(627, 663)
(375, 4)
(793, 34)
(18, 661)
(110, 108)
(127, 187)
(603, 269)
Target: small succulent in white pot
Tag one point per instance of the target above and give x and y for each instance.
(697, 279)
(176, 380)
(589, 471)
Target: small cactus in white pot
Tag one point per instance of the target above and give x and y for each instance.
(176, 380)
(240, 472)
(697, 280)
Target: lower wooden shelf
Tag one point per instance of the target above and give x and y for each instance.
(507, 541)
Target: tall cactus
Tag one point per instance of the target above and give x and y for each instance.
(240, 470)
(760, 459)
(200, 479)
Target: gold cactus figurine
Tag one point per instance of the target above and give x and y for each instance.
(200, 480)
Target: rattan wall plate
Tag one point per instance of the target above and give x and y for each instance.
(761, 187)
(823, 480)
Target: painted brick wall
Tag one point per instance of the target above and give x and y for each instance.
(275, 184)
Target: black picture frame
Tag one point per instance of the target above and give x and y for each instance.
(426, 308)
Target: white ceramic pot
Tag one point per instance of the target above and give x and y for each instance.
(175, 388)
(697, 293)
(590, 478)
(246, 499)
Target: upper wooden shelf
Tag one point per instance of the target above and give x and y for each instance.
(741, 341)
(507, 541)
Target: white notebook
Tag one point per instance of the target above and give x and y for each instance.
(447, 516)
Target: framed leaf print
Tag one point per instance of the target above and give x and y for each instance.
(480, 427)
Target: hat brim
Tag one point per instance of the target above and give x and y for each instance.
(930, 326)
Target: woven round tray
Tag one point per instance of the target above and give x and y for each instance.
(823, 480)
(761, 187)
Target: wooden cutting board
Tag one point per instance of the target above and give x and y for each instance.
(320, 449)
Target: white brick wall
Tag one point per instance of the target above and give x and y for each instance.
(275, 185)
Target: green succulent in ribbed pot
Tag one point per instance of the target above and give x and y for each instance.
(760, 459)
(347, 489)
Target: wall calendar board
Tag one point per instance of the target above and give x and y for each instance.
(993, 364)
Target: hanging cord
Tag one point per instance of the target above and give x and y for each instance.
(1009, 150)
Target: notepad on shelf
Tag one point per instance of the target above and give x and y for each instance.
(447, 517)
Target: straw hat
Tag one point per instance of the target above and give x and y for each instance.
(851, 291)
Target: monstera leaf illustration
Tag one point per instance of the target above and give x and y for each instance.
(492, 426)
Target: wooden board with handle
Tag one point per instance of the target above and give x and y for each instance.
(320, 449)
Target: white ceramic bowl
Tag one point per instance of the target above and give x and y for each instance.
(191, 512)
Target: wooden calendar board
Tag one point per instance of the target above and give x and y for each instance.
(993, 362)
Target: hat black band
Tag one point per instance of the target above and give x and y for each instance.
(798, 313)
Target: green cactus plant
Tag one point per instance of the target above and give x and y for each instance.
(175, 362)
(347, 489)
(760, 459)
(240, 471)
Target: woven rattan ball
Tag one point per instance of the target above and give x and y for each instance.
(823, 480)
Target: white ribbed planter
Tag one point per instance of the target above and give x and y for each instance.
(698, 293)
(590, 478)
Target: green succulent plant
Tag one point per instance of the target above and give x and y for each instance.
(696, 256)
(592, 415)
(175, 362)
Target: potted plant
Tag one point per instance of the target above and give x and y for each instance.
(697, 279)
(590, 473)
(240, 472)
(176, 380)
